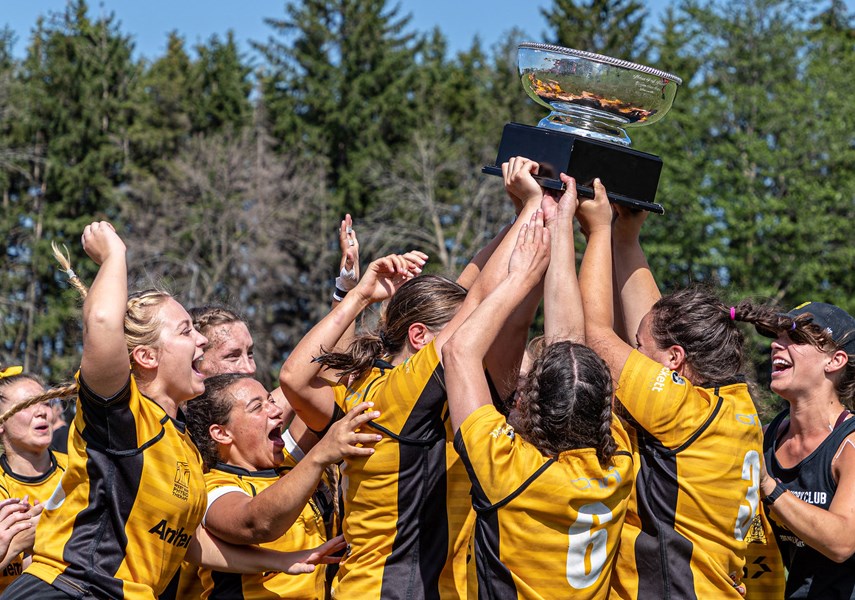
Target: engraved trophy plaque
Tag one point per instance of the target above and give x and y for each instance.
(593, 99)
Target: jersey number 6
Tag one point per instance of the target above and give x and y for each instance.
(586, 552)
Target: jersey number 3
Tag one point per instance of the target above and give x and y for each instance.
(586, 552)
(750, 472)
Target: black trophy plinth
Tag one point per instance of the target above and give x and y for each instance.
(631, 177)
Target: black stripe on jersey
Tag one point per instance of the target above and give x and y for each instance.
(97, 545)
(171, 590)
(662, 555)
(227, 586)
(420, 549)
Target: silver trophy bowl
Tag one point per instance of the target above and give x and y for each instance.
(591, 95)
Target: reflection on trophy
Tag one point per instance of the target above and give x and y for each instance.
(593, 98)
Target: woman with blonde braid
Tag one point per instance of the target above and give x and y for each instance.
(29, 470)
(130, 504)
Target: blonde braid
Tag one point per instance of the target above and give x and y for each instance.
(64, 391)
(64, 261)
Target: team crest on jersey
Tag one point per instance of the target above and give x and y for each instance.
(755, 535)
(181, 487)
(504, 429)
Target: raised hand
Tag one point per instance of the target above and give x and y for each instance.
(595, 213)
(531, 253)
(349, 245)
(519, 183)
(343, 440)
(100, 240)
(385, 275)
(627, 225)
(563, 209)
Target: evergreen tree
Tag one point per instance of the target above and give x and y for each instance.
(220, 84)
(76, 85)
(341, 87)
(164, 106)
(610, 27)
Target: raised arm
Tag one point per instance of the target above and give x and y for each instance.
(300, 377)
(562, 300)
(105, 365)
(595, 281)
(465, 351)
(348, 275)
(241, 519)
(636, 286)
(504, 358)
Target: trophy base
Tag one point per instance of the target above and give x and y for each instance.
(631, 177)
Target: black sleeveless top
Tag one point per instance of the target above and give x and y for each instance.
(811, 575)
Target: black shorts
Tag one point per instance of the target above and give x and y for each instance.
(27, 587)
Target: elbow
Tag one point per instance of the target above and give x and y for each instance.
(288, 379)
(454, 351)
(840, 554)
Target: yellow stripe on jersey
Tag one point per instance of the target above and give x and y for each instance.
(308, 531)
(546, 528)
(697, 488)
(38, 489)
(128, 505)
(395, 507)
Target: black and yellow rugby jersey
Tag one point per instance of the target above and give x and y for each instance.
(128, 505)
(38, 489)
(697, 486)
(395, 506)
(547, 527)
(308, 531)
(764, 577)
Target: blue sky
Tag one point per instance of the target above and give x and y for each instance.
(149, 21)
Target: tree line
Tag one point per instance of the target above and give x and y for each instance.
(227, 175)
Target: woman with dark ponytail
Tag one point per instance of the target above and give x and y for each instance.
(698, 434)
(551, 483)
(407, 513)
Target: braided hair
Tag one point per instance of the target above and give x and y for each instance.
(695, 319)
(68, 390)
(565, 402)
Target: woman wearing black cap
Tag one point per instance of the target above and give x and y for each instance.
(809, 451)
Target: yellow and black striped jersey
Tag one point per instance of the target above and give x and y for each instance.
(547, 527)
(38, 489)
(128, 505)
(396, 513)
(308, 531)
(764, 577)
(697, 487)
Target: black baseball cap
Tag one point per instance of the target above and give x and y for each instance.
(838, 323)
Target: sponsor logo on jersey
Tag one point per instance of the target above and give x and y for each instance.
(505, 429)
(661, 378)
(177, 537)
(755, 535)
(611, 476)
(181, 487)
(751, 419)
(677, 379)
